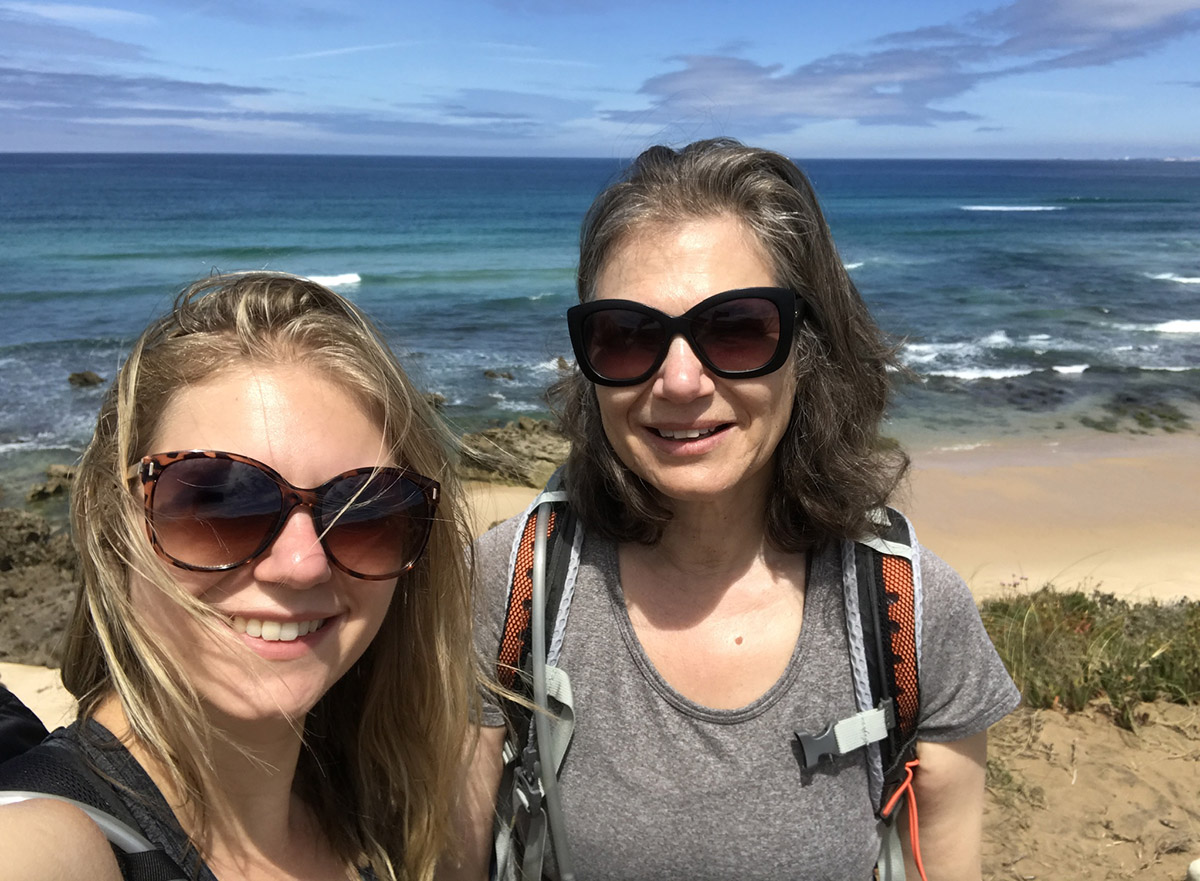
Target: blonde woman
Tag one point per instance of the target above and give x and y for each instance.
(271, 647)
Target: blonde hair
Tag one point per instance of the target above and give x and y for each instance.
(383, 746)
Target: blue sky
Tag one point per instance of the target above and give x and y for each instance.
(936, 78)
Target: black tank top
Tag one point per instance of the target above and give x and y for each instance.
(137, 792)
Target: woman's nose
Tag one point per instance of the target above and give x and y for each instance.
(296, 557)
(681, 376)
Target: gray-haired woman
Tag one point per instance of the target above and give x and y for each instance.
(724, 421)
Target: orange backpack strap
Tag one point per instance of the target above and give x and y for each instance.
(881, 591)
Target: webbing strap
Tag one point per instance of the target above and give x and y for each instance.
(890, 866)
(882, 604)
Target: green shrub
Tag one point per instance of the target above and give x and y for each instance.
(1070, 648)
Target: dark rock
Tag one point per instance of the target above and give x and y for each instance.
(85, 378)
(39, 572)
(498, 374)
(435, 400)
(39, 492)
(1138, 413)
(58, 482)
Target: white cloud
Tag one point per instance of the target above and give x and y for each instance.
(70, 13)
(346, 50)
(911, 76)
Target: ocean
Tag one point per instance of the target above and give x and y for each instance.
(1030, 296)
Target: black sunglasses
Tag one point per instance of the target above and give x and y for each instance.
(211, 511)
(736, 334)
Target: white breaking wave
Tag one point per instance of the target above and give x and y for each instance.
(1179, 325)
(337, 281)
(1071, 369)
(1011, 207)
(520, 406)
(1178, 279)
(971, 373)
(849, 266)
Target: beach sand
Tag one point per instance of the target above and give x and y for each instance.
(1115, 512)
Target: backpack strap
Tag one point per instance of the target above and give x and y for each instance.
(53, 772)
(888, 586)
(881, 580)
(881, 592)
(538, 603)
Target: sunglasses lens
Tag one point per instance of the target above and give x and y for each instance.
(738, 335)
(213, 512)
(375, 523)
(622, 344)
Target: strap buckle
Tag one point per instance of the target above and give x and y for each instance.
(527, 782)
(840, 738)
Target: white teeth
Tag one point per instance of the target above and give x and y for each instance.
(685, 434)
(289, 631)
(274, 631)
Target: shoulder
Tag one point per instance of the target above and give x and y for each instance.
(493, 553)
(500, 537)
(50, 839)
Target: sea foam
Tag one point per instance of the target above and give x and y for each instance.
(1178, 279)
(337, 281)
(973, 373)
(1011, 207)
(1179, 325)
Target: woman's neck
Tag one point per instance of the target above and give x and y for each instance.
(708, 537)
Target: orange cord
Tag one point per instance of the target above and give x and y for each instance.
(913, 834)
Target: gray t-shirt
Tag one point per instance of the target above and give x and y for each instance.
(655, 786)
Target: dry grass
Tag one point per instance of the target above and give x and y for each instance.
(1067, 649)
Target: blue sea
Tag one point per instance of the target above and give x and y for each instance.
(1028, 294)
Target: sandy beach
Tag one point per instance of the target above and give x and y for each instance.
(1113, 512)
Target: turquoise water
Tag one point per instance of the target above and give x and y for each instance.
(1024, 290)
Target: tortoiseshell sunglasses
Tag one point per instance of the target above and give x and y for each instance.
(208, 510)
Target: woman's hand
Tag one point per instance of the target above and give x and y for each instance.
(949, 787)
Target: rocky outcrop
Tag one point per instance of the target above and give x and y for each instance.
(524, 453)
(38, 574)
